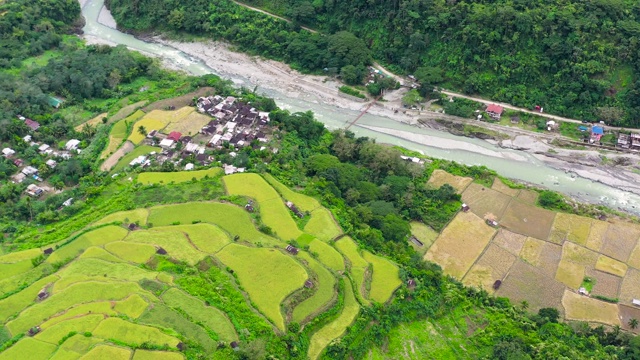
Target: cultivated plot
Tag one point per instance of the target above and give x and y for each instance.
(134, 252)
(528, 283)
(498, 185)
(620, 240)
(173, 241)
(528, 220)
(510, 241)
(528, 196)
(96, 252)
(251, 185)
(99, 270)
(605, 284)
(156, 355)
(302, 202)
(494, 264)
(385, 278)
(189, 124)
(424, 234)
(81, 324)
(596, 234)
(611, 266)
(107, 352)
(629, 289)
(327, 255)
(207, 238)
(116, 328)
(138, 151)
(322, 225)
(132, 307)
(441, 177)
(460, 244)
(324, 284)
(119, 132)
(570, 227)
(276, 215)
(35, 349)
(485, 202)
(100, 236)
(176, 177)
(131, 216)
(584, 308)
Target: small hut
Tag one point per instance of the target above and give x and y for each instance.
(43, 294)
(132, 227)
(48, 251)
(308, 284)
(496, 284)
(292, 249)
(249, 208)
(235, 346)
(465, 207)
(181, 346)
(34, 330)
(161, 251)
(416, 241)
(411, 284)
(492, 223)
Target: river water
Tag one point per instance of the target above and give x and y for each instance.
(510, 163)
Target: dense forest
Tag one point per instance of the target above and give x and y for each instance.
(574, 58)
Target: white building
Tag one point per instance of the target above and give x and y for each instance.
(8, 152)
(72, 144)
(189, 166)
(166, 143)
(29, 170)
(51, 163)
(138, 161)
(215, 140)
(27, 139)
(43, 148)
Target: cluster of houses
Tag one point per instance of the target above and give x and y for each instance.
(631, 141)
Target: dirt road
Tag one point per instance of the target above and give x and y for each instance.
(272, 15)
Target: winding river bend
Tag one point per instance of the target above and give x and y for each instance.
(510, 163)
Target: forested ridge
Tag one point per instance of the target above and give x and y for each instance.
(574, 58)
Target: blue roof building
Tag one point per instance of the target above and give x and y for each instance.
(597, 130)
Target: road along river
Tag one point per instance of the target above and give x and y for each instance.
(335, 113)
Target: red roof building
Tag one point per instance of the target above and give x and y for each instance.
(175, 136)
(34, 125)
(495, 111)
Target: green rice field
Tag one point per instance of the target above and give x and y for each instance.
(148, 178)
(276, 215)
(322, 225)
(99, 236)
(134, 252)
(133, 306)
(127, 217)
(385, 278)
(207, 238)
(325, 290)
(327, 255)
(74, 347)
(35, 348)
(251, 185)
(116, 328)
(96, 252)
(106, 352)
(81, 324)
(302, 202)
(100, 307)
(173, 241)
(156, 355)
(267, 275)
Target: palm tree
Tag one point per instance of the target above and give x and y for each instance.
(633, 323)
(142, 130)
(524, 305)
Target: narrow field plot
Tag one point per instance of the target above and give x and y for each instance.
(116, 328)
(137, 253)
(19, 301)
(325, 291)
(321, 338)
(233, 219)
(140, 150)
(165, 278)
(107, 352)
(19, 256)
(629, 289)
(583, 308)
(570, 274)
(327, 255)
(101, 236)
(100, 307)
(441, 177)
(133, 306)
(578, 254)
(251, 185)
(209, 316)
(460, 244)
(205, 237)
(87, 269)
(322, 225)
(80, 325)
(119, 132)
(493, 265)
(605, 284)
(28, 348)
(156, 355)
(484, 201)
(128, 111)
(163, 316)
(510, 241)
(189, 125)
(611, 266)
(74, 294)
(173, 241)
(498, 185)
(93, 122)
(96, 252)
(620, 240)
(550, 256)
(385, 278)
(74, 347)
(349, 248)
(176, 177)
(596, 235)
(131, 216)
(358, 276)
(576, 227)
(267, 275)
(526, 282)
(302, 202)
(528, 196)
(276, 215)
(9, 270)
(424, 234)
(528, 220)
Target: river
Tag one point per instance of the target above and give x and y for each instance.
(510, 163)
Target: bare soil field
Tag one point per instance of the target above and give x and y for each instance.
(584, 308)
(596, 234)
(575, 228)
(498, 185)
(629, 288)
(627, 313)
(510, 241)
(528, 196)
(441, 177)
(108, 164)
(605, 284)
(493, 265)
(620, 240)
(483, 201)
(526, 282)
(611, 266)
(528, 220)
(460, 244)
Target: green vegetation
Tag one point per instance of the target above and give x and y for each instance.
(137, 253)
(327, 255)
(99, 236)
(205, 237)
(35, 348)
(177, 177)
(137, 216)
(303, 202)
(384, 280)
(118, 329)
(57, 332)
(325, 285)
(322, 225)
(351, 91)
(132, 307)
(172, 240)
(587, 283)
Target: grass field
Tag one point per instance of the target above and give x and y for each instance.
(302, 202)
(189, 124)
(425, 234)
(441, 177)
(107, 352)
(156, 355)
(528, 220)
(93, 122)
(322, 225)
(29, 348)
(611, 266)
(116, 328)
(131, 216)
(96, 252)
(140, 150)
(267, 275)
(176, 177)
(133, 306)
(460, 244)
(320, 339)
(99, 236)
(327, 255)
(173, 241)
(498, 185)
(207, 238)
(137, 253)
(209, 316)
(81, 324)
(19, 301)
(385, 278)
(233, 219)
(583, 308)
(324, 285)
(484, 201)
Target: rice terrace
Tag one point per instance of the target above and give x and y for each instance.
(128, 286)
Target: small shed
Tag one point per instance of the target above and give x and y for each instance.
(492, 223)
(292, 249)
(48, 251)
(43, 294)
(235, 346)
(411, 284)
(635, 302)
(308, 284)
(416, 241)
(161, 251)
(465, 207)
(132, 227)
(249, 208)
(496, 284)
(181, 346)
(34, 330)
(515, 119)
(583, 291)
